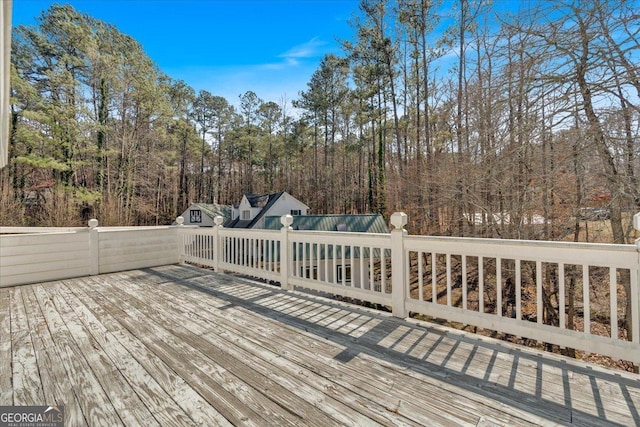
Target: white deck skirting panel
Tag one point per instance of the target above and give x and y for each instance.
(29, 258)
(130, 249)
(52, 255)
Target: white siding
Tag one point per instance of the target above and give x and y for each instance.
(31, 258)
(283, 206)
(131, 249)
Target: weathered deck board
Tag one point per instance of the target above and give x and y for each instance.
(96, 407)
(237, 377)
(184, 346)
(159, 403)
(192, 403)
(179, 358)
(6, 388)
(290, 376)
(122, 395)
(365, 376)
(260, 362)
(318, 363)
(381, 356)
(55, 386)
(27, 387)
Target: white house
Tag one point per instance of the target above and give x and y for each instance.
(254, 208)
(503, 218)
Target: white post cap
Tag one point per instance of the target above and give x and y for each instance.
(399, 220)
(180, 220)
(93, 223)
(286, 220)
(218, 220)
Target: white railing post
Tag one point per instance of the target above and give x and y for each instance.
(180, 240)
(217, 247)
(286, 221)
(398, 268)
(94, 246)
(635, 288)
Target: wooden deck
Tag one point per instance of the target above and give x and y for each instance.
(184, 346)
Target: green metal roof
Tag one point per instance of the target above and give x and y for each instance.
(212, 210)
(367, 223)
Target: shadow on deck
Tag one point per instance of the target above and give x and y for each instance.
(523, 378)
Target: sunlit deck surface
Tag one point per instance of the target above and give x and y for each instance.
(179, 345)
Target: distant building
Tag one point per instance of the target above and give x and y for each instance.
(263, 211)
(503, 218)
(249, 213)
(203, 214)
(254, 208)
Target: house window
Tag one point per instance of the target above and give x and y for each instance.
(310, 272)
(347, 274)
(195, 216)
(296, 212)
(246, 215)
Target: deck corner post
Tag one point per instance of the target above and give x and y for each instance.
(635, 291)
(94, 247)
(217, 247)
(636, 225)
(398, 270)
(180, 240)
(286, 221)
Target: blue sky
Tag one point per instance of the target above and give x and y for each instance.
(225, 46)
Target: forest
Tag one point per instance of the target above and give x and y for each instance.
(522, 125)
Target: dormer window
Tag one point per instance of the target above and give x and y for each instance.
(246, 215)
(195, 216)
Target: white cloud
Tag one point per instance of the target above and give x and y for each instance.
(285, 76)
(309, 49)
(294, 56)
(286, 63)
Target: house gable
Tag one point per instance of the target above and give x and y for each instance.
(247, 210)
(253, 208)
(203, 214)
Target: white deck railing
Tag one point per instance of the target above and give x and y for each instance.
(521, 288)
(353, 265)
(583, 296)
(574, 295)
